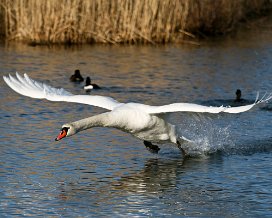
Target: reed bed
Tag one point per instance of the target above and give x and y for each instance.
(121, 21)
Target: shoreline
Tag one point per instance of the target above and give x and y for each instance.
(124, 21)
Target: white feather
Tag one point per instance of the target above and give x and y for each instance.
(31, 88)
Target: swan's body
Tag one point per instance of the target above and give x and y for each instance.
(145, 122)
(132, 119)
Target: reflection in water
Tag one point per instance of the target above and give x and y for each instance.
(157, 176)
(162, 184)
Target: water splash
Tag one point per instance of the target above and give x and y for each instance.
(207, 136)
(211, 135)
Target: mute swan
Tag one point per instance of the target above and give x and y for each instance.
(76, 77)
(145, 122)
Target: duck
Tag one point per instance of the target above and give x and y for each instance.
(76, 77)
(145, 122)
(238, 96)
(89, 85)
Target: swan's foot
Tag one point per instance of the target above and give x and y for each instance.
(182, 150)
(152, 148)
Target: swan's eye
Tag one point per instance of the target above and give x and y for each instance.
(65, 129)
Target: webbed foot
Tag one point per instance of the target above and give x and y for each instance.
(182, 150)
(152, 148)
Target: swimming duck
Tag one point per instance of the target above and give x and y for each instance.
(89, 82)
(89, 85)
(76, 77)
(238, 95)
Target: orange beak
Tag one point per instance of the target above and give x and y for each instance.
(62, 134)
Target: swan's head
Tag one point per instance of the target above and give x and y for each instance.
(66, 130)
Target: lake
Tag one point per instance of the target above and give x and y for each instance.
(104, 172)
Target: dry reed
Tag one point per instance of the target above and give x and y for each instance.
(120, 21)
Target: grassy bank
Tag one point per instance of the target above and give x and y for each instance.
(121, 21)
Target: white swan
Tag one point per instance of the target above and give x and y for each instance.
(145, 122)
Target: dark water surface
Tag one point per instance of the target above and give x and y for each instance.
(105, 172)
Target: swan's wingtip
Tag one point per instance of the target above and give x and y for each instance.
(264, 99)
(26, 76)
(5, 78)
(257, 97)
(269, 97)
(10, 77)
(18, 75)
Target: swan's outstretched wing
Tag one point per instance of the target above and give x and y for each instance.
(31, 88)
(188, 107)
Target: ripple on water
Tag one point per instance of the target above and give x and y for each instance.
(105, 172)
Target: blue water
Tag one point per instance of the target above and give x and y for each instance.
(108, 173)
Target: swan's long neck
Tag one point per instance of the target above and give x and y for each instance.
(94, 121)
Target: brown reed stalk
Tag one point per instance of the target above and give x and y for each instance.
(121, 21)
